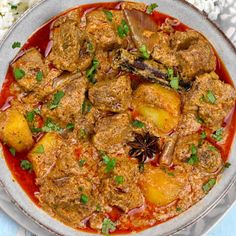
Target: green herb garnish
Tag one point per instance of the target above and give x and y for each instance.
(84, 199)
(212, 148)
(70, 126)
(18, 73)
(16, 45)
(13, 7)
(90, 48)
(110, 163)
(178, 209)
(12, 151)
(26, 165)
(203, 135)
(82, 162)
(227, 165)
(210, 97)
(90, 73)
(193, 158)
(141, 167)
(98, 208)
(82, 133)
(209, 185)
(151, 8)
(109, 15)
(144, 52)
(174, 80)
(138, 124)
(56, 100)
(30, 116)
(123, 29)
(119, 179)
(218, 135)
(199, 120)
(39, 149)
(50, 126)
(108, 226)
(39, 76)
(86, 107)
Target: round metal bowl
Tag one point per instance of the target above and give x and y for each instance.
(36, 17)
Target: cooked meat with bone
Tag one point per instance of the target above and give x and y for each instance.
(122, 119)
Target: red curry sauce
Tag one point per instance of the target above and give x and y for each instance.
(40, 39)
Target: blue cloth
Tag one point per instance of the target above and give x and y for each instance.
(226, 227)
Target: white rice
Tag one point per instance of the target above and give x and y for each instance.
(10, 10)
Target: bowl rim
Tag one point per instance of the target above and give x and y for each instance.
(214, 25)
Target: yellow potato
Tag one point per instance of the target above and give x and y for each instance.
(43, 155)
(15, 131)
(162, 119)
(159, 187)
(158, 96)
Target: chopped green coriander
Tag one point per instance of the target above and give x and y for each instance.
(30, 116)
(50, 126)
(84, 199)
(56, 100)
(211, 97)
(144, 52)
(36, 130)
(82, 133)
(37, 111)
(13, 7)
(193, 158)
(39, 149)
(199, 120)
(178, 209)
(123, 29)
(108, 226)
(209, 185)
(174, 80)
(98, 208)
(81, 188)
(12, 151)
(39, 76)
(90, 73)
(174, 83)
(138, 124)
(203, 135)
(218, 135)
(26, 165)
(82, 162)
(110, 163)
(16, 45)
(119, 179)
(90, 48)
(151, 8)
(70, 126)
(141, 167)
(18, 73)
(167, 172)
(212, 148)
(109, 15)
(86, 107)
(227, 165)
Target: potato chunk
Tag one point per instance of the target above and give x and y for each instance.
(43, 155)
(159, 187)
(15, 131)
(162, 119)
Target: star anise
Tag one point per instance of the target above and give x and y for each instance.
(144, 147)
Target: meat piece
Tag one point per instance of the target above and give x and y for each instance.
(111, 95)
(101, 32)
(207, 157)
(112, 133)
(65, 192)
(69, 106)
(194, 54)
(210, 99)
(125, 195)
(162, 51)
(66, 41)
(32, 64)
